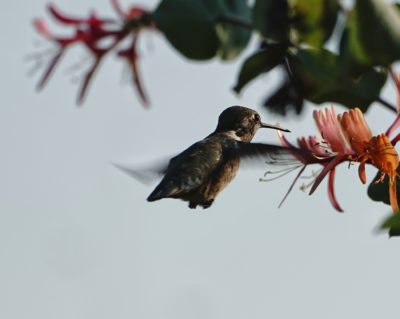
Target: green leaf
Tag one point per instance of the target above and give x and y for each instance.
(351, 55)
(380, 192)
(318, 73)
(303, 21)
(392, 223)
(374, 34)
(259, 63)
(271, 19)
(286, 97)
(189, 25)
(232, 38)
(314, 20)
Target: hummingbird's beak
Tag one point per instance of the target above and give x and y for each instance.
(263, 125)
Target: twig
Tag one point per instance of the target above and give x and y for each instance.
(387, 104)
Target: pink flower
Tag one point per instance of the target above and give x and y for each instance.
(329, 127)
(347, 138)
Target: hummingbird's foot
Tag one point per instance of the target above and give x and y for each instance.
(192, 205)
(207, 204)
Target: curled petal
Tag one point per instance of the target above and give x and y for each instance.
(331, 191)
(361, 172)
(393, 194)
(313, 144)
(309, 150)
(284, 141)
(62, 17)
(131, 57)
(327, 168)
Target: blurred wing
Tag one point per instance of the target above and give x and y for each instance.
(257, 154)
(146, 175)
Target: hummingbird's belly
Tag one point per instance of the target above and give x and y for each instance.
(220, 179)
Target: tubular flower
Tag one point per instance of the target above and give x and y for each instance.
(91, 32)
(376, 150)
(347, 138)
(312, 150)
(329, 127)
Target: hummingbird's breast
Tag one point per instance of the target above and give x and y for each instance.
(221, 178)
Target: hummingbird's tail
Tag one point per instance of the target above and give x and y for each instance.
(154, 196)
(163, 190)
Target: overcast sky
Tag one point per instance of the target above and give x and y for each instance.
(78, 239)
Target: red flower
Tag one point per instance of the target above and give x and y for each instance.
(91, 32)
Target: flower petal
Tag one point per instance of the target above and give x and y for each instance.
(331, 165)
(329, 127)
(331, 191)
(361, 172)
(62, 17)
(393, 194)
(355, 129)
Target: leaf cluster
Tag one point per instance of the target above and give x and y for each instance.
(293, 34)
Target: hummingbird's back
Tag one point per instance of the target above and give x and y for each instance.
(199, 173)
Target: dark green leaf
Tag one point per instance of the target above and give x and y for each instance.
(286, 98)
(318, 73)
(374, 34)
(314, 20)
(260, 62)
(380, 192)
(392, 223)
(233, 39)
(351, 54)
(271, 19)
(189, 26)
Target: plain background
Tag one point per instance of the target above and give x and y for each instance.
(78, 239)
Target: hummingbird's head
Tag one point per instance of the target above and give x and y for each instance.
(243, 121)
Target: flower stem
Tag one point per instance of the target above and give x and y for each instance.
(387, 104)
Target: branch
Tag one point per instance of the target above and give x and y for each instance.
(387, 104)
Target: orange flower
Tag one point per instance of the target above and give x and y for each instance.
(347, 138)
(377, 150)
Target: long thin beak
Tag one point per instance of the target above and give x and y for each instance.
(263, 125)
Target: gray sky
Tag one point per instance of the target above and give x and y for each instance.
(78, 239)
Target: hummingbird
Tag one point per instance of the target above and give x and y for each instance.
(199, 173)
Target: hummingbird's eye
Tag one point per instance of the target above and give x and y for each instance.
(257, 118)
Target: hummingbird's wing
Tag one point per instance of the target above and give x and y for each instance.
(189, 170)
(147, 173)
(261, 154)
